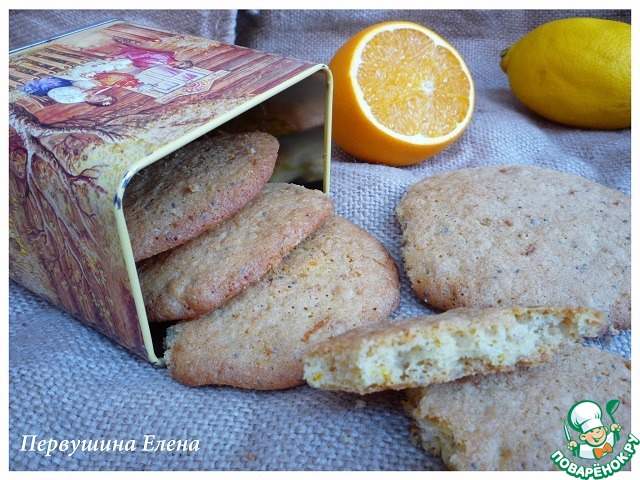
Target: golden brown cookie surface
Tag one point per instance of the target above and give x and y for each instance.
(199, 275)
(510, 235)
(339, 278)
(195, 188)
(515, 421)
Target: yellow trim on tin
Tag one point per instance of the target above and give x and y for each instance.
(162, 152)
(327, 130)
(130, 264)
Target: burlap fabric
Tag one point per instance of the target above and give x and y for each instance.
(29, 26)
(68, 382)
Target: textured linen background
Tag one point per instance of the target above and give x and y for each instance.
(69, 382)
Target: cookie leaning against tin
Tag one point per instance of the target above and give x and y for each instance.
(339, 278)
(198, 276)
(515, 420)
(506, 236)
(196, 187)
(418, 351)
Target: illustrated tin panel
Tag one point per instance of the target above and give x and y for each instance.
(86, 112)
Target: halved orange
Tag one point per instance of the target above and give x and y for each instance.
(401, 94)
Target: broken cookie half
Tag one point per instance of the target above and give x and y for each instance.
(514, 420)
(440, 348)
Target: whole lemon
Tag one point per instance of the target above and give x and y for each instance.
(575, 71)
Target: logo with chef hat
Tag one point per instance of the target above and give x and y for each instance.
(585, 417)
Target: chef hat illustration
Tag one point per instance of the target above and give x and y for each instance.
(585, 416)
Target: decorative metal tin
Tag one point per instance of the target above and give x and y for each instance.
(89, 110)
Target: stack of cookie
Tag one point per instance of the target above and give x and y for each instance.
(250, 274)
(525, 261)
